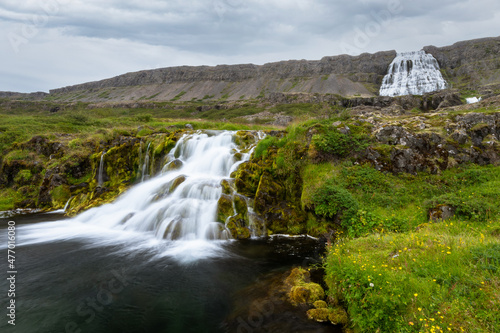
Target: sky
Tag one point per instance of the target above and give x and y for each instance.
(48, 44)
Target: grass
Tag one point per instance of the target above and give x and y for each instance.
(402, 201)
(20, 121)
(442, 277)
(8, 198)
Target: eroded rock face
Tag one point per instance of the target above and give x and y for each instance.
(471, 138)
(476, 61)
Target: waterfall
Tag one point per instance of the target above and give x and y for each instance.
(412, 73)
(101, 170)
(145, 165)
(181, 202)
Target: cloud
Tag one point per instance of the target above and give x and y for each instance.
(61, 42)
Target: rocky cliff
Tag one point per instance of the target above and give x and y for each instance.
(344, 75)
(23, 96)
(473, 64)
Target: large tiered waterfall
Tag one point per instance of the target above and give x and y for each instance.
(412, 73)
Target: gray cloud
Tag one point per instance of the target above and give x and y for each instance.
(51, 43)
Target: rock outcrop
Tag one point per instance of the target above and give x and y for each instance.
(473, 64)
(344, 75)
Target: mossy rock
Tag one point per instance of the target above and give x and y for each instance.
(338, 316)
(240, 206)
(247, 178)
(285, 218)
(173, 165)
(303, 291)
(244, 138)
(60, 195)
(224, 208)
(320, 304)
(320, 315)
(23, 177)
(297, 275)
(269, 193)
(176, 182)
(306, 293)
(237, 226)
(227, 186)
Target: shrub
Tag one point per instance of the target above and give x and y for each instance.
(145, 118)
(331, 201)
(263, 146)
(338, 144)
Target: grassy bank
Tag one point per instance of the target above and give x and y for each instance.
(442, 277)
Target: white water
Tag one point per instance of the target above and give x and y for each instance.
(473, 100)
(150, 212)
(145, 165)
(101, 170)
(186, 212)
(412, 73)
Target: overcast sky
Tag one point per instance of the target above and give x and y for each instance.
(48, 44)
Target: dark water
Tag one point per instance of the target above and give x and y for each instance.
(91, 283)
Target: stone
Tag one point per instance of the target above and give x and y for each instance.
(441, 212)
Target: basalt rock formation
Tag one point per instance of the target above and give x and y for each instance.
(344, 75)
(473, 64)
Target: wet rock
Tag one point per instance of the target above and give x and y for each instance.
(176, 182)
(302, 290)
(224, 208)
(227, 186)
(237, 225)
(174, 165)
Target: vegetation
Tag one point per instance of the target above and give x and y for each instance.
(442, 277)
(390, 266)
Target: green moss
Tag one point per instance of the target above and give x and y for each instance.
(238, 228)
(247, 178)
(23, 177)
(60, 195)
(8, 199)
(144, 132)
(320, 304)
(224, 208)
(338, 316)
(306, 293)
(227, 186)
(320, 315)
(240, 206)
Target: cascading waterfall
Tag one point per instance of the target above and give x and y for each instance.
(100, 179)
(179, 204)
(412, 73)
(145, 165)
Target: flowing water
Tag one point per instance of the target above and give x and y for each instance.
(100, 178)
(412, 73)
(155, 260)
